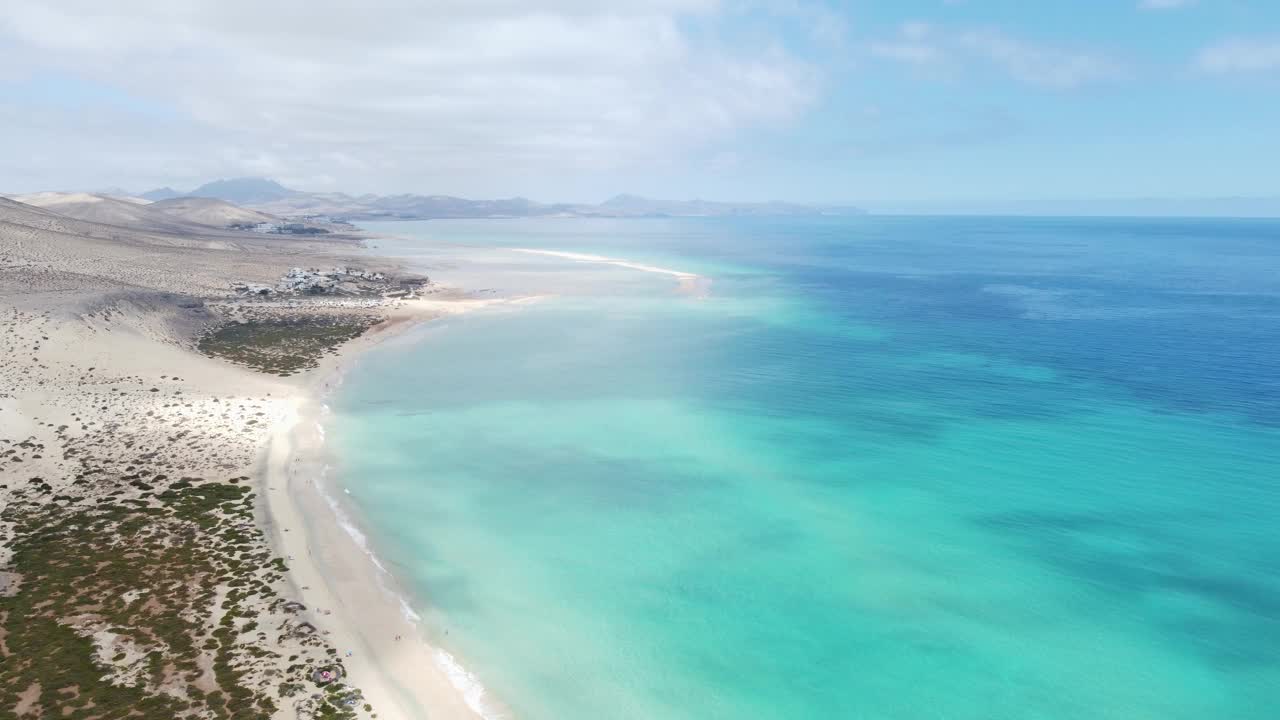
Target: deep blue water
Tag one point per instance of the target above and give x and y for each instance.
(886, 468)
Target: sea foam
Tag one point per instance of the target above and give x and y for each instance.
(465, 682)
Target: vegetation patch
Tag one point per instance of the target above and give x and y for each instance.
(112, 618)
(283, 345)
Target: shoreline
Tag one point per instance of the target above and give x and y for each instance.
(150, 409)
(351, 598)
(355, 601)
(126, 406)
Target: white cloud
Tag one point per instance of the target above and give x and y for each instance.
(823, 24)
(1164, 4)
(908, 51)
(1039, 65)
(951, 50)
(446, 94)
(1240, 55)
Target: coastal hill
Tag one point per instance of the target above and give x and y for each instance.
(210, 211)
(272, 197)
(181, 215)
(103, 209)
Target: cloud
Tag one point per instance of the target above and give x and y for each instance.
(1240, 55)
(1039, 65)
(447, 93)
(1164, 4)
(950, 50)
(821, 23)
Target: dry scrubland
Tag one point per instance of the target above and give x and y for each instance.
(136, 578)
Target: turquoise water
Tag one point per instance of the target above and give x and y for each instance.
(888, 468)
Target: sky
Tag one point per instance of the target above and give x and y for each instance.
(904, 104)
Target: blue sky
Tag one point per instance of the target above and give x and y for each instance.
(964, 124)
(918, 104)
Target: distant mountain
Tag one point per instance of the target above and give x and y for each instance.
(243, 191)
(117, 192)
(164, 193)
(271, 197)
(445, 206)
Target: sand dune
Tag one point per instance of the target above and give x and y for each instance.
(210, 211)
(106, 210)
(179, 215)
(68, 199)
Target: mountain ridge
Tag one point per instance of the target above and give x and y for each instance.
(164, 193)
(184, 214)
(243, 190)
(269, 196)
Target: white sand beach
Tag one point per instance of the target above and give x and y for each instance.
(352, 598)
(142, 390)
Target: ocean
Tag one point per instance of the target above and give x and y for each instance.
(870, 467)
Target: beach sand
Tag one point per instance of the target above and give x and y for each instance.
(353, 599)
(688, 283)
(145, 462)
